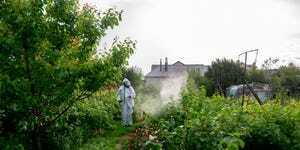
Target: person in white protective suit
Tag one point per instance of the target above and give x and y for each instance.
(126, 95)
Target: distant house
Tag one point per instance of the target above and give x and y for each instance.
(162, 72)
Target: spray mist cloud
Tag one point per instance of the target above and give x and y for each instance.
(169, 92)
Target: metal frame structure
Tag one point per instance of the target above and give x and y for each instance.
(244, 77)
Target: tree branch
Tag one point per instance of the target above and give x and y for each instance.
(79, 98)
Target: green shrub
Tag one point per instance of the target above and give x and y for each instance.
(200, 122)
(93, 116)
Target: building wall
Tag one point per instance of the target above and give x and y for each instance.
(201, 69)
(156, 76)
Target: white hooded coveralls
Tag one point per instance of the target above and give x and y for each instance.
(126, 95)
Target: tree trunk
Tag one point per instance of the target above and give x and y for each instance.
(36, 139)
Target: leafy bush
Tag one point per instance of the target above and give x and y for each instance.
(201, 80)
(94, 116)
(135, 76)
(201, 122)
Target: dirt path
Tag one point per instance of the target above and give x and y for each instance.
(127, 140)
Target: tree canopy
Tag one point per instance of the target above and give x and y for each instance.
(135, 76)
(289, 79)
(48, 60)
(225, 72)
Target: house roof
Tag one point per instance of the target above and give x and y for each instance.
(174, 69)
(179, 63)
(155, 72)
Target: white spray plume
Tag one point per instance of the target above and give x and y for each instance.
(170, 92)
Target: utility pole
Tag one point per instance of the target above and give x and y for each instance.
(245, 71)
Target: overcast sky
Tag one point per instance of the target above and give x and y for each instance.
(199, 31)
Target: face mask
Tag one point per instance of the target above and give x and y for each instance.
(126, 85)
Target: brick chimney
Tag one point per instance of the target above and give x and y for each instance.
(166, 64)
(160, 66)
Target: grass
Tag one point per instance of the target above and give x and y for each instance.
(110, 140)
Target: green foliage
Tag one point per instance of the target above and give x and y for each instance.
(96, 116)
(135, 76)
(200, 80)
(223, 73)
(256, 75)
(289, 79)
(202, 122)
(49, 62)
(284, 79)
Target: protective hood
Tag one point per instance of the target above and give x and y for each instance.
(126, 82)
